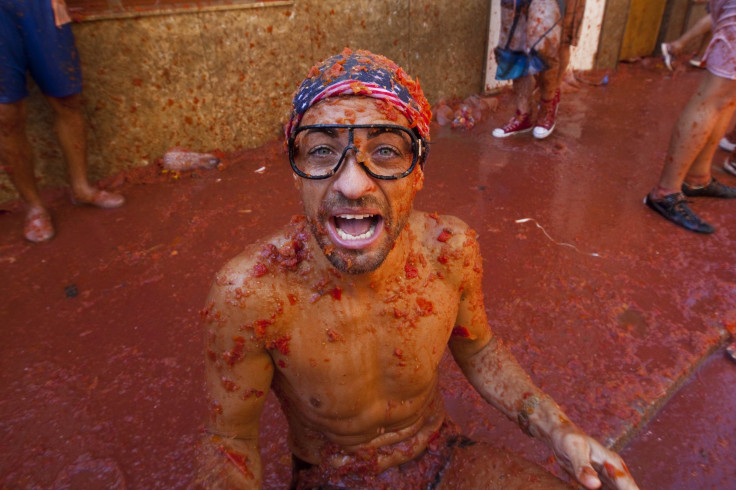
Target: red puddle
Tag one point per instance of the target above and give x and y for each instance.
(607, 305)
(692, 442)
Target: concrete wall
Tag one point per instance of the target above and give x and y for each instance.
(223, 78)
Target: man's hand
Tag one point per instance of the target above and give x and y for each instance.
(590, 462)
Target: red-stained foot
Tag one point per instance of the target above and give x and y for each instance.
(38, 227)
(101, 199)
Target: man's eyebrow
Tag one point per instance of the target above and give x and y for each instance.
(372, 132)
(328, 131)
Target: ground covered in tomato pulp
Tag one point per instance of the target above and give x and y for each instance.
(609, 307)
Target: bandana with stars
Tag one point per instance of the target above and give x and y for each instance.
(362, 73)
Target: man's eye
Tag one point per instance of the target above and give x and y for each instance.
(320, 151)
(387, 152)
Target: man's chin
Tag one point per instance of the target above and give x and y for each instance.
(353, 261)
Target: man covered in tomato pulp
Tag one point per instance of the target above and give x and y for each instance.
(347, 310)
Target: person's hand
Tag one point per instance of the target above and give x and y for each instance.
(588, 461)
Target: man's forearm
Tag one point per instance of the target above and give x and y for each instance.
(227, 463)
(497, 376)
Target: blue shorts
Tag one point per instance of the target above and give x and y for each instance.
(30, 41)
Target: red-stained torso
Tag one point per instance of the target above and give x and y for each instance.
(354, 364)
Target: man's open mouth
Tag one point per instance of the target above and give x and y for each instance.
(356, 226)
(356, 230)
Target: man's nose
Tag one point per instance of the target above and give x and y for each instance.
(351, 180)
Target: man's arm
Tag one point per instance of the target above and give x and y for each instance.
(239, 371)
(495, 373)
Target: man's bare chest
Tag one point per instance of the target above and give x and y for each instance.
(391, 342)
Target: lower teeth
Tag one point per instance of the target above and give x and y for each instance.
(365, 235)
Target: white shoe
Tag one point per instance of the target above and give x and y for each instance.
(726, 145)
(540, 132)
(668, 58)
(729, 166)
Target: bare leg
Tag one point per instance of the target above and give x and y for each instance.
(481, 466)
(523, 88)
(567, 79)
(687, 167)
(696, 135)
(521, 122)
(700, 28)
(70, 128)
(17, 158)
(544, 17)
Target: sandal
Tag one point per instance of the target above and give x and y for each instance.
(38, 227)
(101, 199)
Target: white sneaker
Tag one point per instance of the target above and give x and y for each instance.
(729, 166)
(726, 145)
(668, 58)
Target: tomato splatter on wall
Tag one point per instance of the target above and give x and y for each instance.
(81, 9)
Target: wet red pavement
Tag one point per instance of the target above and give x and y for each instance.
(608, 306)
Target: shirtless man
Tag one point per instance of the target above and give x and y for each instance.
(346, 313)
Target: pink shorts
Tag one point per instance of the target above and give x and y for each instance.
(720, 57)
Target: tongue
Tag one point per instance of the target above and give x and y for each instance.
(354, 227)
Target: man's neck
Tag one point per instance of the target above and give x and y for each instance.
(391, 267)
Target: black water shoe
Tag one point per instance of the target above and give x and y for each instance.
(674, 208)
(713, 189)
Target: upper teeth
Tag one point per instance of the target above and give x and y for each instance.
(367, 234)
(354, 216)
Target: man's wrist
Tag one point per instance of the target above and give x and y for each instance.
(527, 409)
(539, 416)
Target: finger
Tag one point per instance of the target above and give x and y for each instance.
(579, 459)
(588, 477)
(613, 470)
(617, 475)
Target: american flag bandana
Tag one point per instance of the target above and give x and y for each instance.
(362, 73)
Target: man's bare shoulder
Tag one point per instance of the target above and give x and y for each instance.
(283, 252)
(259, 276)
(438, 231)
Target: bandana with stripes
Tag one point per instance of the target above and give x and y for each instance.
(362, 73)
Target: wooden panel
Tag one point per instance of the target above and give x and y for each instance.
(612, 33)
(642, 28)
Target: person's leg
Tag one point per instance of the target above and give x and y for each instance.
(70, 126)
(695, 135)
(17, 158)
(521, 122)
(572, 23)
(544, 28)
(480, 466)
(692, 145)
(549, 100)
(700, 28)
(567, 80)
(697, 59)
(673, 48)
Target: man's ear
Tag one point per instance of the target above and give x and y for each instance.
(418, 178)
